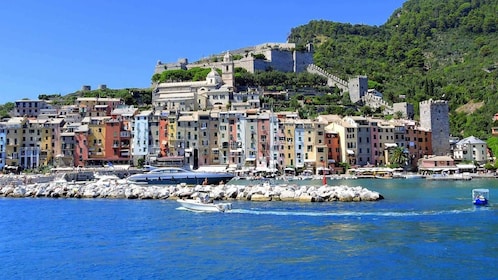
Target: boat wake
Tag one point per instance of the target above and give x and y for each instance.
(350, 213)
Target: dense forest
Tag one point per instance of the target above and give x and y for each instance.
(426, 49)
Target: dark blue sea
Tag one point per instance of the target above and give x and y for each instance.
(421, 230)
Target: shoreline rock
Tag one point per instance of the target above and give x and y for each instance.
(122, 190)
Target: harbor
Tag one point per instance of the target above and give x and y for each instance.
(422, 227)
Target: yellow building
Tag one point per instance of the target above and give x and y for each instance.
(96, 138)
(288, 130)
(50, 145)
(13, 141)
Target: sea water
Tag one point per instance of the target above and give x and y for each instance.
(421, 230)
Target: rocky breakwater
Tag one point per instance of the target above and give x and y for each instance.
(119, 189)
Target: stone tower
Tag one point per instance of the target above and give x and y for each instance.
(357, 88)
(434, 116)
(227, 74)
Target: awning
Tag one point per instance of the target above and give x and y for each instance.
(466, 166)
(390, 145)
(250, 159)
(350, 152)
(212, 168)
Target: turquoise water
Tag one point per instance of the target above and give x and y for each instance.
(421, 230)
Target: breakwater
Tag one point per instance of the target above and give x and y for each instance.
(20, 187)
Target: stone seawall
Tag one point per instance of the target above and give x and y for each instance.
(122, 190)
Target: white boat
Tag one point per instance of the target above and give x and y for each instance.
(204, 205)
(177, 175)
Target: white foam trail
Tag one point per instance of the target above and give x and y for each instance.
(350, 213)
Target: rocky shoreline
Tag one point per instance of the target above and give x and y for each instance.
(18, 187)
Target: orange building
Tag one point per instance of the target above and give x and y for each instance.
(418, 143)
(333, 143)
(163, 135)
(117, 141)
(81, 146)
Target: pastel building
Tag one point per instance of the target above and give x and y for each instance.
(471, 149)
(30, 108)
(316, 153)
(81, 150)
(386, 141)
(333, 147)
(50, 146)
(14, 139)
(117, 142)
(163, 134)
(96, 106)
(418, 142)
(69, 154)
(267, 152)
(141, 136)
(299, 143)
(214, 138)
(3, 144)
(96, 140)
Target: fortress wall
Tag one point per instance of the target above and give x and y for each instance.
(246, 63)
(281, 60)
(302, 60)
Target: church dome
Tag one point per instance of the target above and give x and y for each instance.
(213, 77)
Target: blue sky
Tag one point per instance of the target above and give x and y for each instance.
(54, 46)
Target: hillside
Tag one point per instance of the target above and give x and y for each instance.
(426, 49)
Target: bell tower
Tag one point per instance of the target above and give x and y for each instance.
(227, 74)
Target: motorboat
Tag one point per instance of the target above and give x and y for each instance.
(177, 175)
(480, 197)
(204, 205)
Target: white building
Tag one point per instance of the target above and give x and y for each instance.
(141, 135)
(471, 149)
(213, 92)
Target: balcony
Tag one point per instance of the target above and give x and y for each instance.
(125, 134)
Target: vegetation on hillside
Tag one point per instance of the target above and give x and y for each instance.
(135, 96)
(427, 49)
(180, 75)
(5, 109)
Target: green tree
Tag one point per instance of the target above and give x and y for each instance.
(398, 156)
